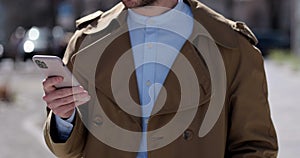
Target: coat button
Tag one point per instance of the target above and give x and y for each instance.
(98, 121)
(188, 134)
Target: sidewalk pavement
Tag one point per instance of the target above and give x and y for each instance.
(284, 97)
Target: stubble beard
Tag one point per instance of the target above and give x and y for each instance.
(138, 3)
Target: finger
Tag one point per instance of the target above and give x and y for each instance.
(65, 111)
(62, 93)
(69, 99)
(49, 83)
(68, 114)
(83, 101)
(49, 90)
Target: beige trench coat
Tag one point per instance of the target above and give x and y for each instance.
(243, 129)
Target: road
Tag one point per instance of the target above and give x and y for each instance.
(22, 121)
(284, 90)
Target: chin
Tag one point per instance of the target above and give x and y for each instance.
(130, 3)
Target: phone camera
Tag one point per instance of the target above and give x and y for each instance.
(41, 64)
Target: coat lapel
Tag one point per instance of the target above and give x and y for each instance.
(111, 55)
(173, 85)
(96, 61)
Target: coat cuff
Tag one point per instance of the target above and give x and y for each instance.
(73, 146)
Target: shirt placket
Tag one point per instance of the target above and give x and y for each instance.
(148, 78)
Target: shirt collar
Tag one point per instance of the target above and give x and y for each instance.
(156, 20)
(173, 20)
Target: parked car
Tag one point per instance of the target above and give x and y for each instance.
(37, 40)
(2, 47)
(22, 44)
(1, 51)
(271, 39)
(12, 44)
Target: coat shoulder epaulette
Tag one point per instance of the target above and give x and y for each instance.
(243, 29)
(82, 22)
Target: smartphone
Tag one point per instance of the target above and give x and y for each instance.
(52, 66)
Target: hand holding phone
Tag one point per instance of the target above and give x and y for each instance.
(62, 91)
(52, 66)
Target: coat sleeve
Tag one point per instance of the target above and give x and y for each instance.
(251, 131)
(73, 147)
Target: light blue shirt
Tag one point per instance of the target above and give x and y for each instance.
(156, 42)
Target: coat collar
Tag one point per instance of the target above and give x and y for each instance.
(219, 28)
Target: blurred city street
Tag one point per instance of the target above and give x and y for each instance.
(22, 120)
(45, 27)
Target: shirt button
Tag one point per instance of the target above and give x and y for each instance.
(149, 45)
(146, 120)
(148, 83)
(67, 126)
(151, 21)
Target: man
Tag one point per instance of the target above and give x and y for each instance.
(178, 53)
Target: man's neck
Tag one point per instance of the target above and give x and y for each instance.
(157, 8)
